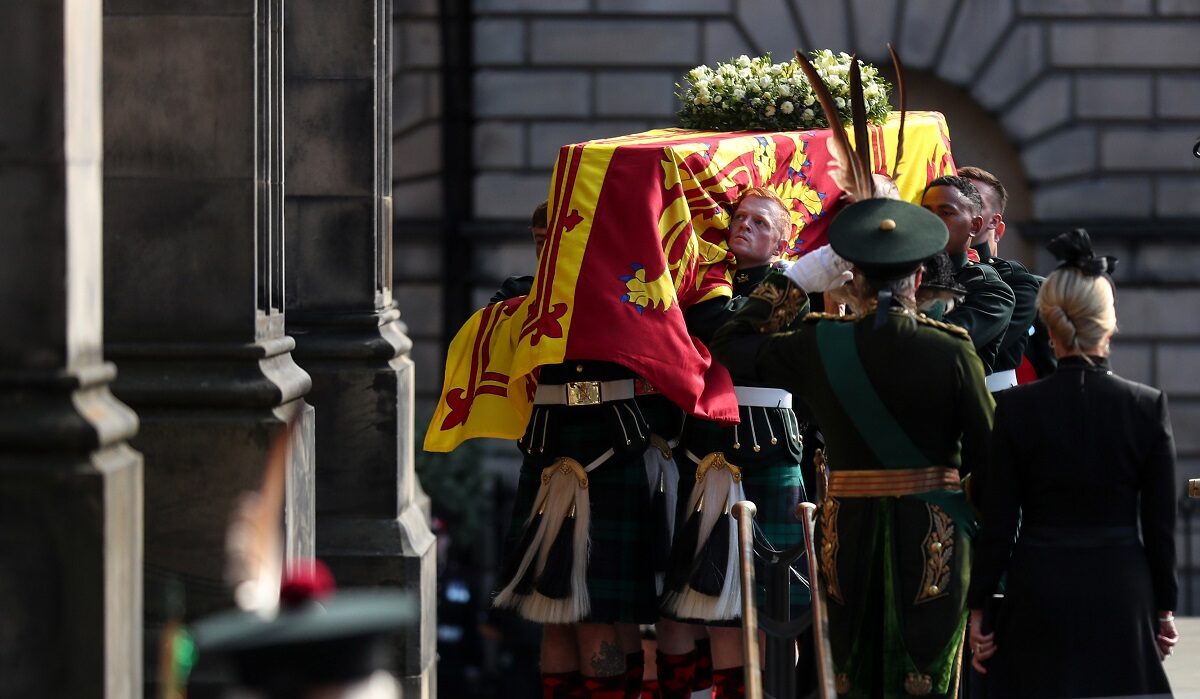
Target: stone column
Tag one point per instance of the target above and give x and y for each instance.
(70, 486)
(340, 308)
(194, 276)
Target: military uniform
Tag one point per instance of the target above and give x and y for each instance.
(986, 309)
(765, 448)
(905, 414)
(1020, 334)
(586, 433)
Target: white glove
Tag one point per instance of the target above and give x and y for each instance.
(820, 270)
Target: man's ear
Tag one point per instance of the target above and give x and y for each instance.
(1000, 225)
(976, 226)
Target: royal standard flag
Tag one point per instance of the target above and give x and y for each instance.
(636, 236)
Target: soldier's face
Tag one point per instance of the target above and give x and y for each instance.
(754, 232)
(993, 220)
(539, 239)
(955, 210)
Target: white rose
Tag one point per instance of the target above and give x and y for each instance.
(770, 110)
(841, 103)
(809, 100)
(744, 73)
(768, 96)
(786, 107)
(738, 93)
(807, 114)
(743, 61)
(718, 82)
(764, 81)
(785, 89)
(701, 85)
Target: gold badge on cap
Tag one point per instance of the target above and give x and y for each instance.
(887, 224)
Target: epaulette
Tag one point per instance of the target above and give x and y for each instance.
(946, 327)
(817, 315)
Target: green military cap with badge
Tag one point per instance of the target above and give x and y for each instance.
(317, 639)
(886, 238)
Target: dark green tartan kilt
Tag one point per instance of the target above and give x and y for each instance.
(776, 488)
(620, 575)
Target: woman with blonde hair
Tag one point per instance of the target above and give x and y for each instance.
(1078, 460)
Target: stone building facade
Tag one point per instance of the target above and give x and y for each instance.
(1087, 109)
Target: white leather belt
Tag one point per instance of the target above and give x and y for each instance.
(1001, 380)
(758, 397)
(583, 392)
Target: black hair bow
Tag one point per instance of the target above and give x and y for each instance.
(1074, 249)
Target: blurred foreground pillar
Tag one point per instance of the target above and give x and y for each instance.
(70, 486)
(193, 268)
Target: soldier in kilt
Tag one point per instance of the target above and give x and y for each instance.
(758, 460)
(905, 413)
(577, 558)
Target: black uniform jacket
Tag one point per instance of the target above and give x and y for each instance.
(763, 435)
(1082, 448)
(1024, 285)
(512, 288)
(986, 310)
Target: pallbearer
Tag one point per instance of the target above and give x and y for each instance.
(896, 395)
(758, 459)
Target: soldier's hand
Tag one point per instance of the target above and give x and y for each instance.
(1168, 635)
(983, 646)
(820, 270)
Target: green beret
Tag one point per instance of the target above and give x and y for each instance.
(887, 238)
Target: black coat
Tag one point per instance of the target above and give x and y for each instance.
(1079, 460)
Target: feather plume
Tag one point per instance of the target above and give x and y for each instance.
(853, 178)
(899, 68)
(858, 117)
(254, 543)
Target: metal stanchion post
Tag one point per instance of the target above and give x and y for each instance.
(743, 514)
(825, 687)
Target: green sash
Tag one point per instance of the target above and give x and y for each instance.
(874, 422)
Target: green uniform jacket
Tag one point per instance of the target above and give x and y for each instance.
(895, 568)
(985, 311)
(1018, 340)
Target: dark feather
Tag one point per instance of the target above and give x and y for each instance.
(858, 116)
(555, 580)
(683, 554)
(899, 68)
(711, 563)
(860, 183)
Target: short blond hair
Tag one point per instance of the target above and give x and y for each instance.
(1078, 310)
(783, 216)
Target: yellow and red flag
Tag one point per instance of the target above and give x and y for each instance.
(636, 236)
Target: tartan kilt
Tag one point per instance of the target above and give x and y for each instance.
(776, 487)
(620, 575)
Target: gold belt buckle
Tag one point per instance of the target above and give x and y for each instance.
(583, 393)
